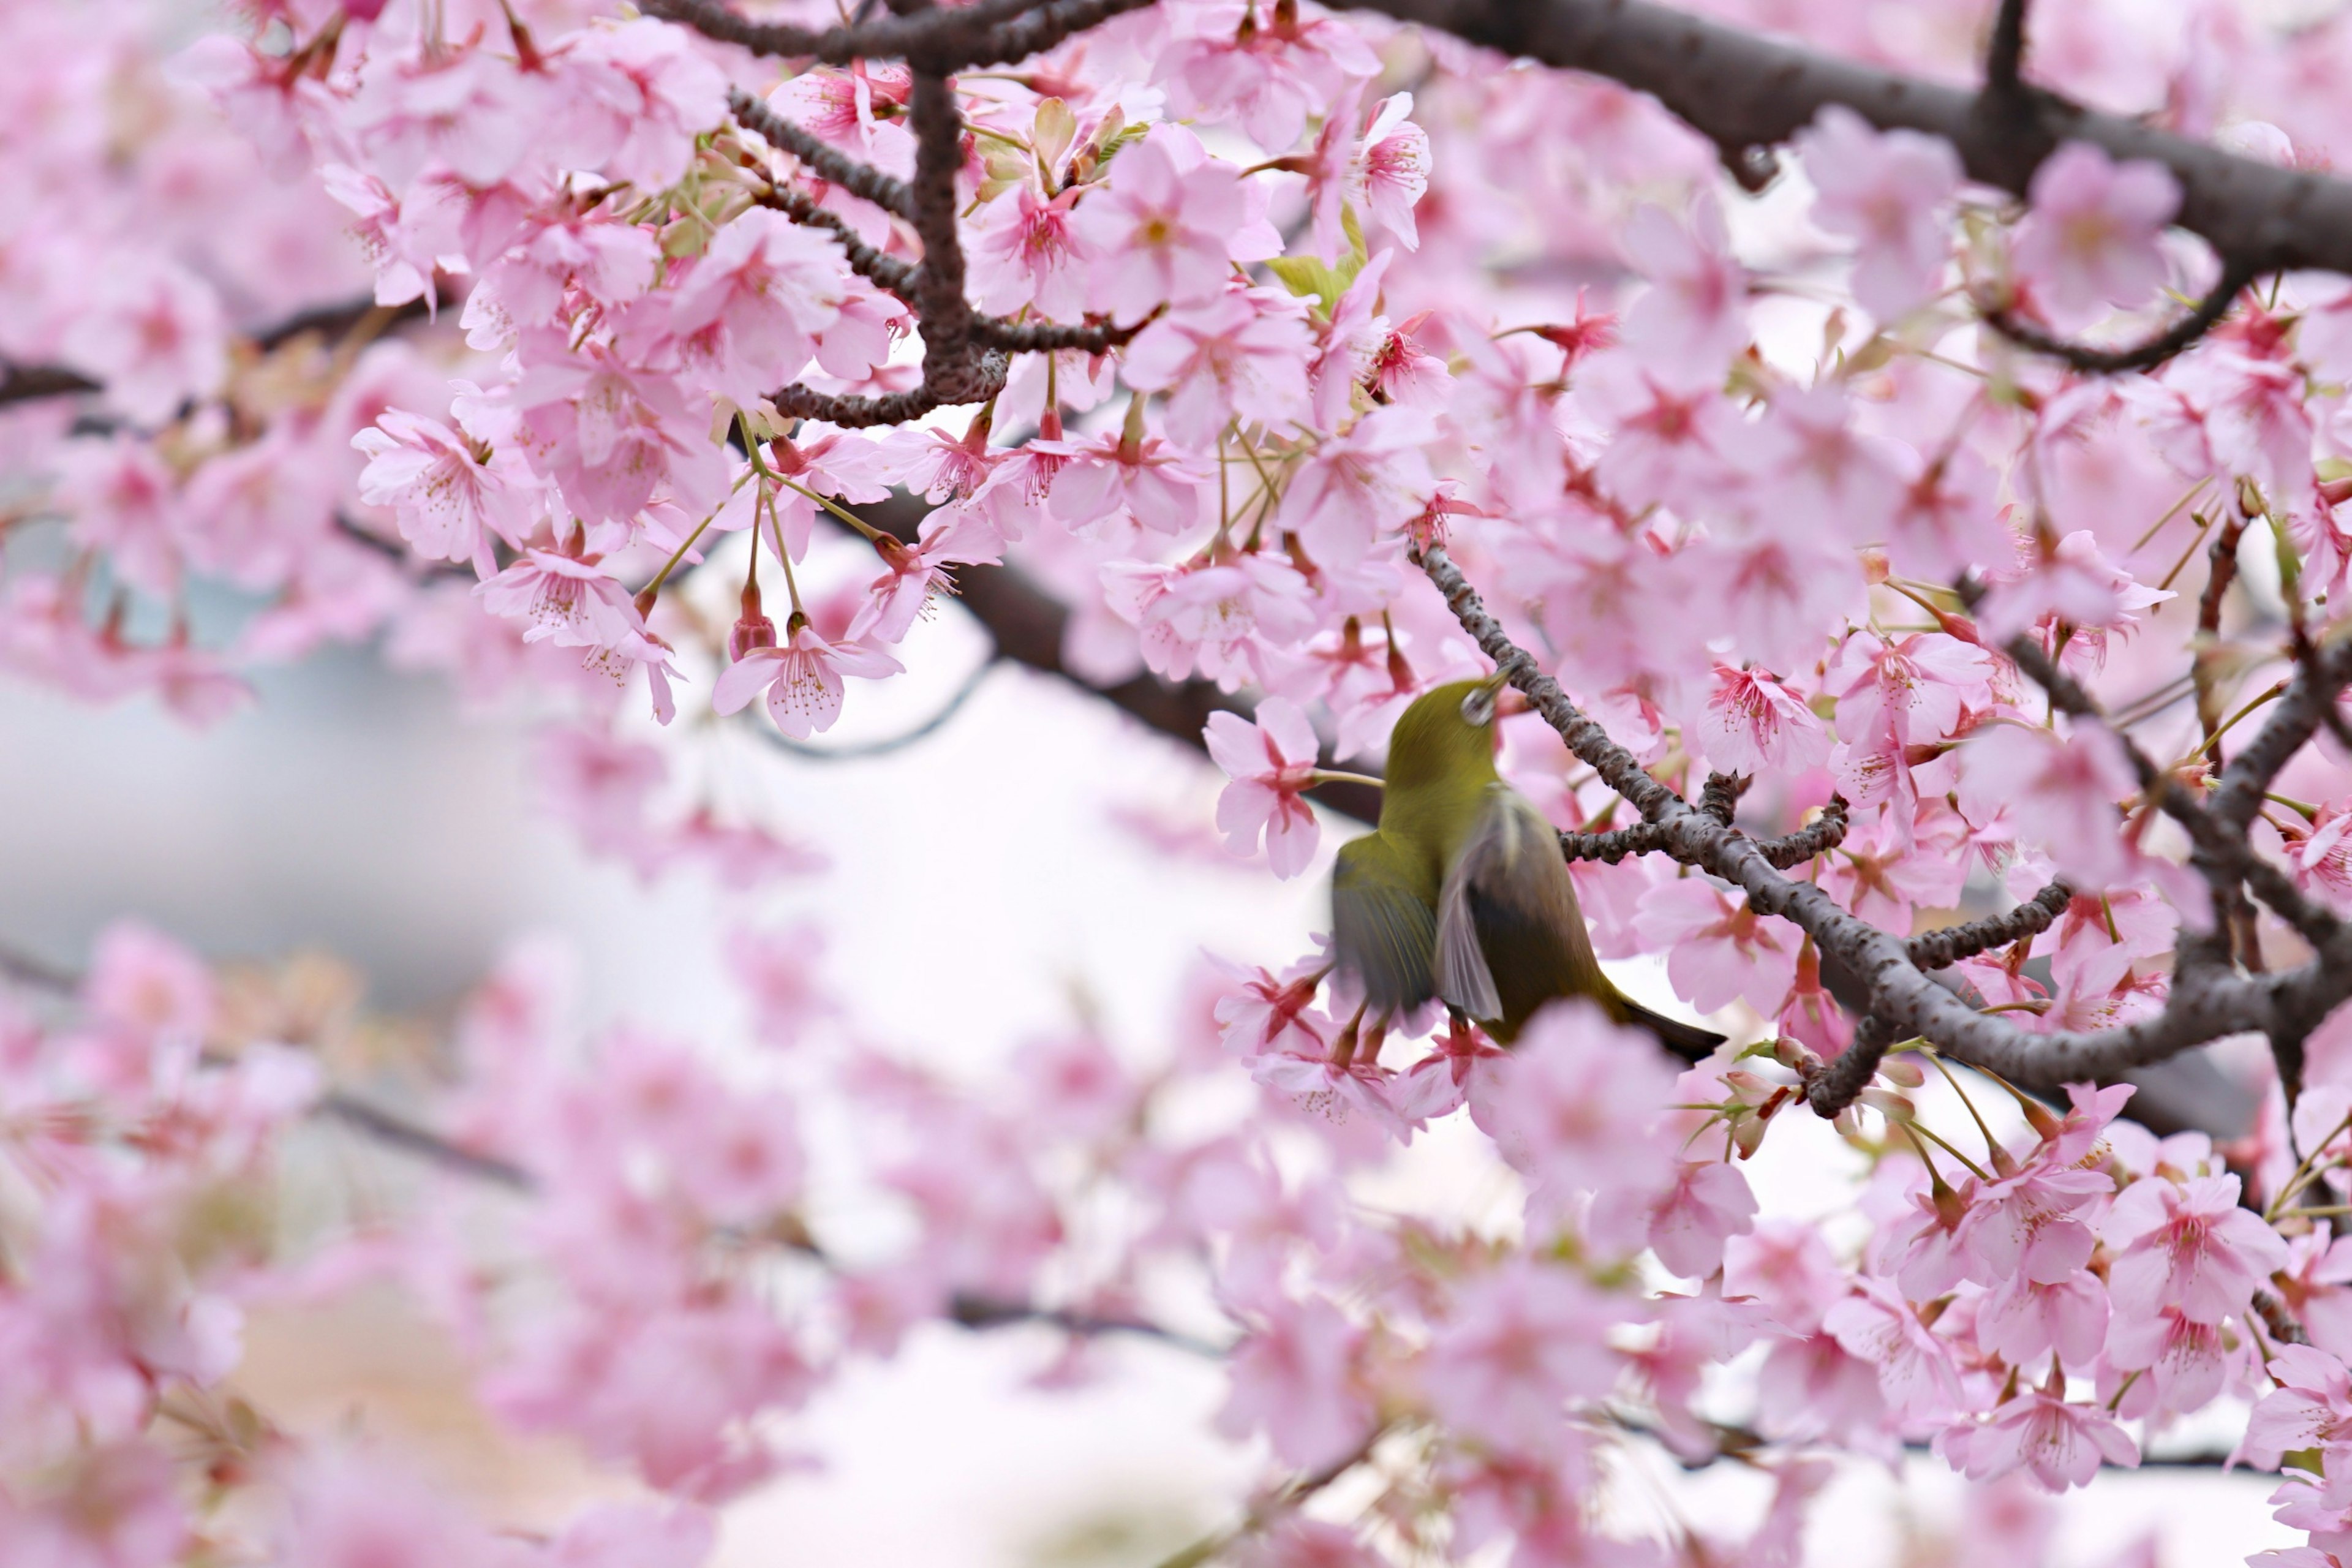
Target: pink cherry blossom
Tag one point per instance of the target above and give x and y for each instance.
(1889, 192)
(802, 678)
(1029, 253)
(2058, 1444)
(1710, 1202)
(1169, 227)
(1239, 354)
(1518, 1343)
(2090, 238)
(2062, 794)
(1270, 762)
(453, 497)
(1294, 1378)
(155, 334)
(2189, 1246)
(1755, 722)
(1694, 318)
(1573, 1109)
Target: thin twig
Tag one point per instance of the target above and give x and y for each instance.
(2174, 339)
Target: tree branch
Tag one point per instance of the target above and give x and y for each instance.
(1942, 949)
(1741, 90)
(2181, 335)
(887, 272)
(822, 159)
(989, 32)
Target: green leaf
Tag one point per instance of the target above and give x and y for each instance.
(1307, 275)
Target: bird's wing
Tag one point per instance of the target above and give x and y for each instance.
(1381, 930)
(1509, 935)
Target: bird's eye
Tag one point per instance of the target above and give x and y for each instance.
(1479, 706)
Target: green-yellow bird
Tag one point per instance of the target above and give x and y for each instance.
(1461, 892)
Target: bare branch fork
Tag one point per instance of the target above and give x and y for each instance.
(2208, 999)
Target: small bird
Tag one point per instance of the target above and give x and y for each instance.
(1462, 892)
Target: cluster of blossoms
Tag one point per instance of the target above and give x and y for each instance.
(1271, 299)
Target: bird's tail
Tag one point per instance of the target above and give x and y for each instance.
(1687, 1041)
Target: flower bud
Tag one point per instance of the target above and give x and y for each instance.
(751, 629)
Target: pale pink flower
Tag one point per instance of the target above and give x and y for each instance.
(464, 108)
(2034, 1223)
(2060, 1445)
(2024, 1319)
(1891, 192)
(2189, 1245)
(153, 333)
(1669, 440)
(1576, 1107)
(839, 463)
(1270, 1012)
(1351, 1101)
(2090, 237)
(2311, 1408)
(562, 598)
(634, 98)
(1076, 1087)
(346, 1510)
(403, 235)
(1354, 489)
(2321, 858)
(1915, 1368)
(145, 983)
(1169, 226)
(1240, 355)
(751, 308)
(1380, 174)
(2183, 1362)
(1270, 762)
(956, 535)
(803, 678)
(611, 434)
(452, 495)
(1294, 1376)
(1816, 466)
(2063, 794)
(115, 1506)
(777, 970)
(2253, 417)
(553, 268)
(1265, 65)
(1128, 473)
(1389, 171)
(1693, 317)
(1027, 251)
(1948, 518)
(1218, 619)
(124, 502)
(1718, 949)
(1709, 1203)
(1518, 1343)
(741, 1163)
(1755, 722)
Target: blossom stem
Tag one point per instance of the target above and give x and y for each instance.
(871, 533)
(2171, 512)
(1937, 1063)
(2301, 1177)
(1334, 775)
(645, 595)
(2276, 690)
(1974, 1169)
